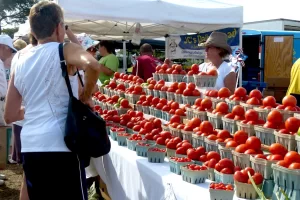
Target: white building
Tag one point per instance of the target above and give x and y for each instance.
(274, 24)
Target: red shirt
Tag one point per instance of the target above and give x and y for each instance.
(146, 66)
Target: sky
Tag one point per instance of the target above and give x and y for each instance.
(258, 10)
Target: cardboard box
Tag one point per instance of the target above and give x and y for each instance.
(268, 92)
(5, 132)
(277, 82)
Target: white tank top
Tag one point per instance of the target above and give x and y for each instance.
(224, 69)
(38, 78)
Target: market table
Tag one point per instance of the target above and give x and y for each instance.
(130, 177)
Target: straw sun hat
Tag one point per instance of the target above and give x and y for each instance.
(217, 39)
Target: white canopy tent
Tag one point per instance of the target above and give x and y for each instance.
(116, 19)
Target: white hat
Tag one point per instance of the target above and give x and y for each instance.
(6, 40)
(85, 41)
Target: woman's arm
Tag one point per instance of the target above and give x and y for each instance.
(230, 81)
(13, 110)
(106, 70)
(71, 36)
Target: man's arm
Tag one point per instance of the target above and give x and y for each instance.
(76, 56)
(13, 111)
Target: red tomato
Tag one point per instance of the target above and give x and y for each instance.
(289, 101)
(292, 124)
(213, 154)
(240, 177)
(241, 148)
(193, 154)
(160, 141)
(240, 92)
(212, 163)
(283, 163)
(148, 126)
(275, 117)
(276, 157)
(258, 178)
(124, 103)
(182, 86)
(224, 92)
(186, 145)
(175, 118)
(250, 152)
(290, 108)
(239, 117)
(187, 92)
(260, 156)
(206, 103)
(212, 72)
(191, 86)
(226, 163)
(181, 151)
(250, 170)
(255, 93)
(269, 101)
(203, 158)
(291, 157)
(223, 134)
(251, 115)
(277, 148)
(222, 107)
(253, 143)
(227, 171)
(212, 137)
(280, 107)
(270, 125)
(195, 68)
(218, 167)
(231, 144)
(240, 137)
(253, 101)
(238, 110)
(175, 105)
(206, 127)
(229, 116)
(194, 122)
(157, 123)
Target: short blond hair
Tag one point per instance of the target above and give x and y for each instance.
(19, 44)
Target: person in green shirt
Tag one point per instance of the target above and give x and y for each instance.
(109, 60)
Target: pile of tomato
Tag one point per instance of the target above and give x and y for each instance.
(157, 150)
(136, 137)
(124, 134)
(183, 159)
(220, 186)
(243, 177)
(195, 167)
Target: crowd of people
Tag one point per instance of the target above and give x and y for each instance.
(34, 96)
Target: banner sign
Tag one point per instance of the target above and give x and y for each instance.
(188, 46)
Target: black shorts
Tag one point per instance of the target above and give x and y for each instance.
(54, 176)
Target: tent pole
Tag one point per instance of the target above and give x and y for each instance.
(241, 67)
(166, 46)
(124, 57)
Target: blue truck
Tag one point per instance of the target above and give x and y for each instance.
(271, 55)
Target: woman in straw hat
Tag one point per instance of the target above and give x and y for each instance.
(216, 50)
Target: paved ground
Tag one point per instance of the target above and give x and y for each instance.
(11, 189)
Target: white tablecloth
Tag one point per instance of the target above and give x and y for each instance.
(128, 176)
(131, 177)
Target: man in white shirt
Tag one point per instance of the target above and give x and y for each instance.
(6, 50)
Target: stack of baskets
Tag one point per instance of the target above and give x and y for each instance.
(266, 135)
(248, 128)
(287, 140)
(216, 120)
(205, 80)
(287, 180)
